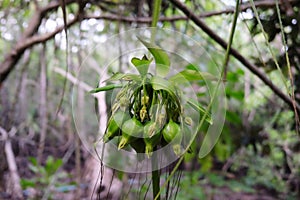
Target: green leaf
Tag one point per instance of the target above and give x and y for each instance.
(159, 83)
(206, 163)
(57, 164)
(33, 161)
(161, 58)
(196, 105)
(25, 183)
(238, 95)
(233, 117)
(142, 65)
(126, 77)
(52, 165)
(191, 67)
(105, 88)
(5, 3)
(49, 165)
(33, 168)
(191, 75)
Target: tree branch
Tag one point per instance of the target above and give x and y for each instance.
(246, 6)
(27, 39)
(243, 7)
(16, 190)
(253, 68)
(13, 57)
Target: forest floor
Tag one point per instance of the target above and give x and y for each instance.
(225, 193)
(193, 185)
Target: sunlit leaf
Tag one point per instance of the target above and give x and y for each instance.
(25, 183)
(33, 161)
(238, 95)
(192, 75)
(161, 58)
(197, 106)
(105, 88)
(33, 168)
(191, 67)
(142, 65)
(5, 3)
(159, 83)
(126, 77)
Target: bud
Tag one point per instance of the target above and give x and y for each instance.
(177, 149)
(151, 143)
(161, 119)
(188, 121)
(150, 129)
(124, 141)
(143, 113)
(124, 102)
(145, 100)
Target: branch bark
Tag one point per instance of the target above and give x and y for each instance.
(43, 103)
(243, 7)
(253, 68)
(28, 39)
(16, 190)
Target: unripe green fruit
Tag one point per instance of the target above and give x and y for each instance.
(114, 124)
(170, 131)
(111, 132)
(125, 140)
(133, 127)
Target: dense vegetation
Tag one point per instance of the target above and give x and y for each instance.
(48, 125)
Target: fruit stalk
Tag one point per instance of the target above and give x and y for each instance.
(155, 177)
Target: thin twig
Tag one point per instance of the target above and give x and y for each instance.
(253, 68)
(17, 192)
(28, 39)
(226, 61)
(43, 103)
(292, 89)
(147, 189)
(178, 184)
(82, 128)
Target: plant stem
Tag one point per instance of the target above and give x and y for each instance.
(252, 67)
(227, 55)
(155, 171)
(209, 105)
(155, 177)
(155, 16)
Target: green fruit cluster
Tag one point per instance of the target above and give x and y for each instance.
(146, 118)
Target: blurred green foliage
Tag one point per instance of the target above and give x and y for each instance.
(258, 143)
